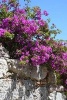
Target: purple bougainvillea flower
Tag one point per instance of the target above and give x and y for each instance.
(45, 13)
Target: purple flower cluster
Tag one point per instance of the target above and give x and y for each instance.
(38, 13)
(45, 13)
(59, 64)
(2, 32)
(20, 24)
(41, 22)
(41, 54)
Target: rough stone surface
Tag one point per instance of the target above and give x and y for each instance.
(57, 93)
(3, 67)
(3, 52)
(13, 90)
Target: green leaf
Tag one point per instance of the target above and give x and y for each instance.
(9, 35)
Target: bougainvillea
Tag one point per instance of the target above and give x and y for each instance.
(29, 38)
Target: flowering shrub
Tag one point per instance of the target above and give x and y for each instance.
(28, 37)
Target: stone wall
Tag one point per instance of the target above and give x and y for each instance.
(22, 83)
(18, 89)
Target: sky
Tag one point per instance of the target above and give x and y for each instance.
(57, 10)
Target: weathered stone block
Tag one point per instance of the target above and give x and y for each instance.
(3, 67)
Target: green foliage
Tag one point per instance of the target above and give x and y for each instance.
(9, 35)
